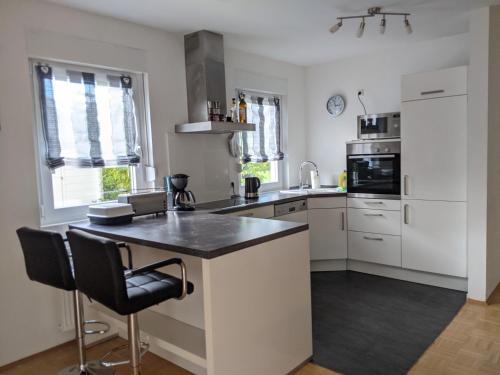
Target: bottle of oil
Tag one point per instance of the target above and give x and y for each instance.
(242, 110)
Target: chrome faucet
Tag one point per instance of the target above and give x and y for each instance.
(304, 163)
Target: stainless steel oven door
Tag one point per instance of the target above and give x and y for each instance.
(374, 176)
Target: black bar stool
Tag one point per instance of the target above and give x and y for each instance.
(49, 262)
(100, 275)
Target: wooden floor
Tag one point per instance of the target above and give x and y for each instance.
(469, 345)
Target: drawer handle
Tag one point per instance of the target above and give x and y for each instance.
(373, 238)
(432, 92)
(250, 214)
(405, 184)
(406, 214)
(374, 214)
(368, 202)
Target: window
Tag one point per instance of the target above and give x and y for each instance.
(260, 151)
(91, 135)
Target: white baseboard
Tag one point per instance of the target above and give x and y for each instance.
(442, 281)
(328, 265)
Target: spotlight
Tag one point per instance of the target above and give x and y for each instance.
(361, 29)
(382, 25)
(336, 27)
(408, 28)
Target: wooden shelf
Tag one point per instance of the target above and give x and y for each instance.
(213, 127)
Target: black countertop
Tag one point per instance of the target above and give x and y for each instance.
(205, 233)
(226, 206)
(201, 235)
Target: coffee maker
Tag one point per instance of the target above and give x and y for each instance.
(179, 199)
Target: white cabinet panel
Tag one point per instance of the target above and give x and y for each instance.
(434, 237)
(434, 149)
(374, 221)
(326, 202)
(374, 204)
(328, 233)
(296, 217)
(264, 212)
(375, 248)
(439, 83)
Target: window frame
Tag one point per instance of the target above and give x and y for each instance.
(270, 186)
(138, 174)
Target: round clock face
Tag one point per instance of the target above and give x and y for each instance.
(335, 105)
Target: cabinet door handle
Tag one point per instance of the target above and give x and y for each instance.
(373, 238)
(406, 214)
(343, 221)
(432, 92)
(405, 184)
(374, 214)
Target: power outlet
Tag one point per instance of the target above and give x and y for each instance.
(360, 92)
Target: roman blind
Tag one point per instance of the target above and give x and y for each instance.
(264, 144)
(88, 118)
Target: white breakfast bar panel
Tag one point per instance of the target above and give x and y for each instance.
(258, 308)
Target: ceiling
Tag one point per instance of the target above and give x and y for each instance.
(295, 31)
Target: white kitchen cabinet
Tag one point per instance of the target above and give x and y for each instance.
(264, 212)
(434, 237)
(375, 248)
(434, 149)
(374, 221)
(296, 217)
(374, 204)
(328, 233)
(435, 84)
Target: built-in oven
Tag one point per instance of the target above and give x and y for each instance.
(374, 169)
(381, 125)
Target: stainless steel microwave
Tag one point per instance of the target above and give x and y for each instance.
(382, 125)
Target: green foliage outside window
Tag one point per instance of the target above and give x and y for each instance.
(114, 182)
(260, 170)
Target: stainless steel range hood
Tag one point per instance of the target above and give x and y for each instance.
(205, 81)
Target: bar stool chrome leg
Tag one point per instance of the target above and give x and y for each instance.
(134, 344)
(83, 367)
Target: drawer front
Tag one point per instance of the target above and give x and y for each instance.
(265, 212)
(296, 217)
(326, 202)
(374, 221)
(436, 84)
(375, 248)
(374, 204)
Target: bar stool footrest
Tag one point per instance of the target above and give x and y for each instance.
(121, 348)
(102, 331)
(92, 368)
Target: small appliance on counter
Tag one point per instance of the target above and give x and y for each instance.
(252, 185)
(145, 203)
(112, 213)
(179, 199)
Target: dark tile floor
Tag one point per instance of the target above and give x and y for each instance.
(365, 324)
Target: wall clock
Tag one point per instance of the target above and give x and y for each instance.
(335, 105)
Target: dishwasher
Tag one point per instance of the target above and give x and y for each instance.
(295, 211)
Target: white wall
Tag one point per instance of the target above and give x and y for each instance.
(379, 74)
(477, 142)
(30, 313)
(493, 239)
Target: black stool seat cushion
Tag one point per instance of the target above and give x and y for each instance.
(149, 289)
(99, 274)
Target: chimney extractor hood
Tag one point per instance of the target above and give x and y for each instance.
(205, 81)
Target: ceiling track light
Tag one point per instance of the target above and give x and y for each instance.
(408, 27)
(382, 25)
(361, 29)
(372, 12)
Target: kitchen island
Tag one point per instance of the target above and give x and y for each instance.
(250, 312)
